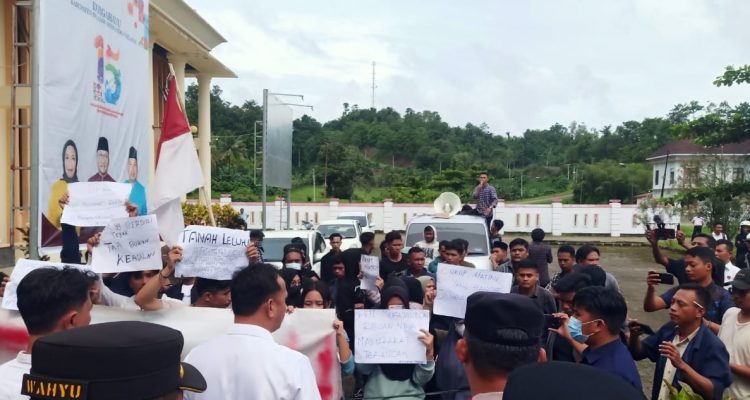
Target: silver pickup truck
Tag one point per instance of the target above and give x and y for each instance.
(468, 227)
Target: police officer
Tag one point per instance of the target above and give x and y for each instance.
(502, 332)
(114, 361)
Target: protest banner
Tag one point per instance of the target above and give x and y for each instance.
(455, 284)
(214, 253)
(95, 203)
(94, 102)
(390, 336)
(370, 267)
(22, 268)
(307, 331)
(128, 244)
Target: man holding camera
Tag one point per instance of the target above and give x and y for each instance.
(699, 267)
(677, 267)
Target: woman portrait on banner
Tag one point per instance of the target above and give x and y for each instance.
(60, 187)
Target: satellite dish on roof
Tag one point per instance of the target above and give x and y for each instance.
(447, 205)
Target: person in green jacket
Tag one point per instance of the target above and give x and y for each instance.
(399, 381)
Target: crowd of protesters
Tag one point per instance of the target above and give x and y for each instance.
(568, 318)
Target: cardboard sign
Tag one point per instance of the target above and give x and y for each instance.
(390, 336)
(370, 267)
(128, 244)
(95, 203)
(22, 268)
(455, 284)
(214, 253)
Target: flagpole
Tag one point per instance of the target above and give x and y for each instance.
(202, 190)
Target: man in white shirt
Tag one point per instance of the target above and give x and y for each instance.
(723, 252)
(50, 300)
(735, 333)
(430, 244)
(718, 232)
(245, 362)
(697, 225)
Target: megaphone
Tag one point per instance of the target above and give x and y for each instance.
(447, 205)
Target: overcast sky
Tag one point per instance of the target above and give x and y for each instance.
(514, 65)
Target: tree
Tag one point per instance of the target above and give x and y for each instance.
(607, 180)
(715, 197)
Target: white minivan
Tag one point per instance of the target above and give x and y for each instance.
(360, 216)
(468, 227)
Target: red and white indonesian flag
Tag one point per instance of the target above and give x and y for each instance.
(178, 170)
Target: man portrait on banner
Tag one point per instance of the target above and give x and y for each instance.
(138, 192)
(102, 162)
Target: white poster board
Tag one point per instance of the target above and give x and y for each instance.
(455, 284)
(390, 336)
(95, 92)
(370, 266)
(95, 203)
(128, 244)
(214, 253)
(22, 268)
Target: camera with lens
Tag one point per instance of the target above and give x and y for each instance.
(662, 229)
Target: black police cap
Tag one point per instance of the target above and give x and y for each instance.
(488, 312)
(115, 360)
(567, 381)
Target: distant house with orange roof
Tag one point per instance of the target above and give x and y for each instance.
(682, 164)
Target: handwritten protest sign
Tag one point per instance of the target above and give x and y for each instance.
(128, 244)
(95, 203)
(214, 253)
(390, 336)
(370, 269)
(22, 268)
(456, 283)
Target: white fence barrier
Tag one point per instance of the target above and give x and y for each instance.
(612, 219)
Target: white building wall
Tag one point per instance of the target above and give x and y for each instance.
(724, 165)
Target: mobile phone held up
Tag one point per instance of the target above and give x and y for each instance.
(550, 321)
(660, 227)
(666, 279)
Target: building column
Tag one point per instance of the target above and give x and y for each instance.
(387, 215)
(499, 213)
(204, 128)
(333, 208)
(557, 217)
(615, 225)
(178, 63)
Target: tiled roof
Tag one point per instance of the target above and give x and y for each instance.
(688, 147)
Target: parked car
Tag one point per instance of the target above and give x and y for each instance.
(349, 229)
(360, 216)
(274, 242)
(469, 227)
